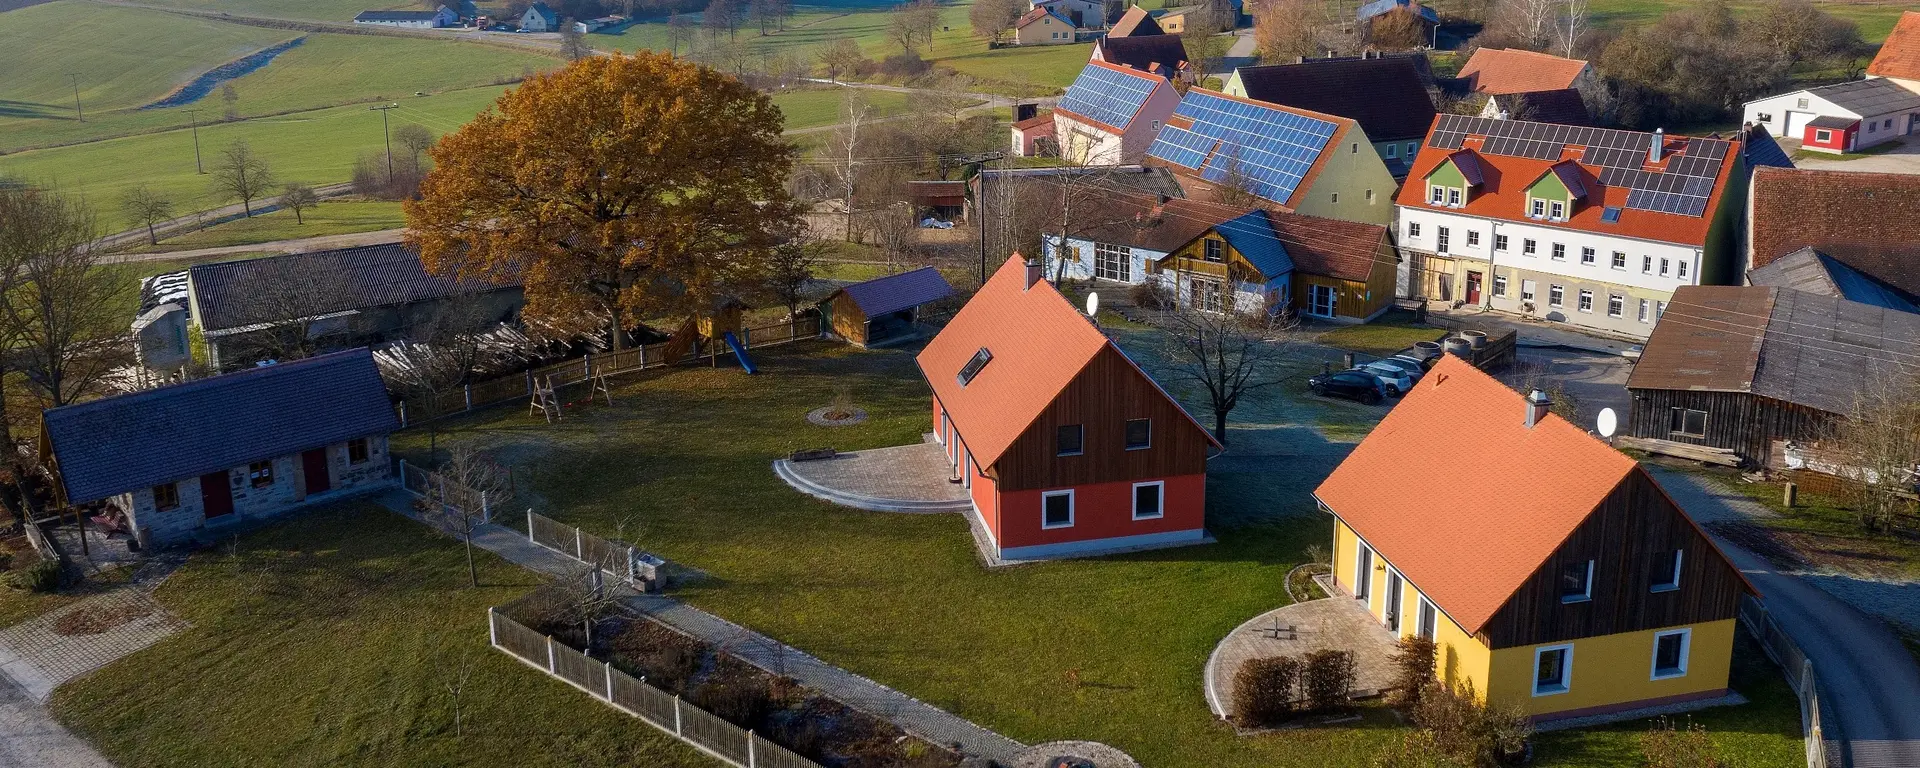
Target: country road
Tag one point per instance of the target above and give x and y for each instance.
(299, 245)
(208, 218)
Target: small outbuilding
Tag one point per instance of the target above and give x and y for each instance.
(883, 310)
(1839, 118)
(205, 455)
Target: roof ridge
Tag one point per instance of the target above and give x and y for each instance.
(211, 382)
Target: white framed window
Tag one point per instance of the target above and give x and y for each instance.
(1643, 310)
(1616, 305)
(1539, 208)
(1363, 572)
(1473, 238)
(1666, 571)
(1413, 229)
(1149, 500)
(1822, 135)
(1800, 104)
(1646, 265)
(1156, 126)
(1333, 197)
(1586, 256)
(1393, 151)
(1665, 265)
(1659, 308)
(1322, 300)
(1526, 290)
(1529, 247)
(1681, 268)
(1556, 296)
(1453, 197)
(1412, 147)
(1443, 239)
(1670, 653)
(1559, 211)
(1500, 285)
(1499, 242)
(1437, 194)
(1586, 301)
(1056, 509)
(1576, 581)
(1369, 197)
(1552, 669)
(1113, 262)
(1619, 259)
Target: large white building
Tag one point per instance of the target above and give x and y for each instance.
(1591, 227)
(434, 19)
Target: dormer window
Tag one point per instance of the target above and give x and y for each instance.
(1438, 195)
(1557, 211)
(1453, 197)
(1539, 208)
(972, 368)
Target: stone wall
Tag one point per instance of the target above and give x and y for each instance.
(288, 490)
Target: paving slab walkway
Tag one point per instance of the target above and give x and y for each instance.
(915, 716)
(1331, 623)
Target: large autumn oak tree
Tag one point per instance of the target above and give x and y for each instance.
(617, 189)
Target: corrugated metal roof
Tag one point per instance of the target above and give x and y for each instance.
(345, 279)
(119, 444)
(1868, 98)
(1708, 339)
(1817, 273)
(897, 292)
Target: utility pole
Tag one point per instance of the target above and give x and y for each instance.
(388, 134)
(74, 77)
(194, 120)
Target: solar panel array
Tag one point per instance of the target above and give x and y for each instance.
(1683, 188)
(1108, 96)
(1272, 147)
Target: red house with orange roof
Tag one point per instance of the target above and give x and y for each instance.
(1066, 447)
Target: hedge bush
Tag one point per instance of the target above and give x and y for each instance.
(1468, 732)
(1413, 667)
(1264, 690)
(1326, 680)
(43, 576)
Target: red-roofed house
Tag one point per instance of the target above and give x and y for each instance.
(1043, 26)
(1028, 133)
(1066, 447)
(1111, 114)
(1585, 226)
(1899, 57)
(1495, 71)
(1551, 571)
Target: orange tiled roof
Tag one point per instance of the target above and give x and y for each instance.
(1900, 55)
(1039, 343)
(1511, 70)
(1470, 524)
(1506, 177)
(1041, 119)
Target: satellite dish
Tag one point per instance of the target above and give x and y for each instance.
(1093, 304)
(1608, 422)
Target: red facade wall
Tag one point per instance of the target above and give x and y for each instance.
(1100, 511)
(1839, 140)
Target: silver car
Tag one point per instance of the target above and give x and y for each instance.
(1396, 381)
(1406, 365)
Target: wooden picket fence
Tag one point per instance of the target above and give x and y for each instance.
(705, 731)
(520, 386)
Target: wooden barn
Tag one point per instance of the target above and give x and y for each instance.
(883, 310)
(1740, 371)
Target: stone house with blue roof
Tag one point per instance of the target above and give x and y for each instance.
(191, 459)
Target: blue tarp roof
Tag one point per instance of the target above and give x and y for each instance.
(1252, 234)
(119, 444)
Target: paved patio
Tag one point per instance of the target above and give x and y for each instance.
(1333, 622)
(39, 658)
(904, 478)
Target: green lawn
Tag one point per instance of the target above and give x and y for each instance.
(1827, 531)
(332, 217)
(1876, 19)
(329, 640)
(317, 10)
(1386, 336)
(815, 107)
(1109, 649)
(325, 70)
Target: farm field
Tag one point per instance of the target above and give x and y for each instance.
(316, 10)
(331, 217)
(323, 70)
(1875, 17)
(331, 639)
(1109, 649)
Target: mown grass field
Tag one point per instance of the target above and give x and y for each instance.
(1109, 649)
(331, 217)
(331, 640)
(129, 57)
(317, 10)
(1875, 17)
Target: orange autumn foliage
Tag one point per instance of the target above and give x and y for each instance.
(619, 187)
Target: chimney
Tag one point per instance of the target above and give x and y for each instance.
(1659, 146)
(1033, 272)
(1537, 406)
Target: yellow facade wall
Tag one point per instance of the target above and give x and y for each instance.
(1612, 670)
(1461, 658)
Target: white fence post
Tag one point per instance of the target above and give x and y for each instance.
(676, 715)
(530, 526)
(550, 666)
(609, 681)
(493, 629)
(403, 475)
(750, 748)
(468, 392)
(486, 513)
(579, 547)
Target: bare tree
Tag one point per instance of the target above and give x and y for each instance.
(992, 19)
(679, 30)
(1206, 47)
(473, 484)
(1288, 30)
(459, 669)
(789, 271)
(298, 198)
(146, 207)
(240, 174)
(903, 28)
(1573, 27)
(1225, 350)
(761, 14)
(1529, 24)
(853, 113)
(582, 596)
(1879, 446)
(895, 227)
(1236, 188)
(231, 98)
(949, 97)
(416, 140)
(841, 57)
(63, 309)
(573, 42)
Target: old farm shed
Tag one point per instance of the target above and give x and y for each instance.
(883, 310)
(1748, 369)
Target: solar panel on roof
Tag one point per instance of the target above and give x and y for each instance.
(1108, 96)
(1181, 147)
(1273, 148)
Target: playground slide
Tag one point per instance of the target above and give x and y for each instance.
(740, 352)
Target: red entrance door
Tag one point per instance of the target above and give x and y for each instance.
(314, 463)
(1473, 288)
(216, 497)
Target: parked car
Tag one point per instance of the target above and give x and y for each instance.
(1352, 385)
(1396, 382)
(1406, 365)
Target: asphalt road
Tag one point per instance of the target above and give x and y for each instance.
(1869, 683)
(31, 738)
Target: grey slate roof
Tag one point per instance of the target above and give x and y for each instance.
(1817, 273)
(1833, 121)
(363, 278)
(1378, 7)
(893, 293)
(119, 444)
(1564, 106)
(1868, 98)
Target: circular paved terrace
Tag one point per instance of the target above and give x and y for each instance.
(1337, 622)
(904, 478)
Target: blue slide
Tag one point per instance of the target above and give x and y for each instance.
(741, 352)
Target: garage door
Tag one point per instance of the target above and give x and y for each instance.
(1797, 124)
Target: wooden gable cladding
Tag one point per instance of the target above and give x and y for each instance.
(1745, 423)
(1102, 398)
(1633, 526)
